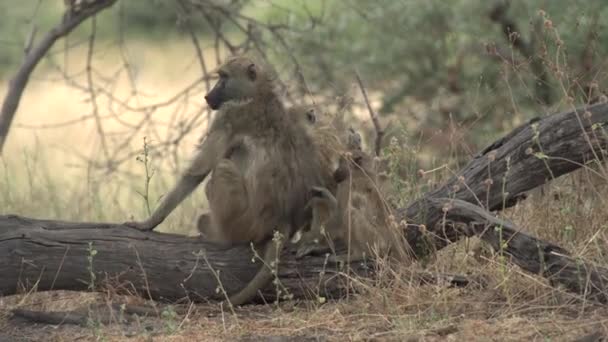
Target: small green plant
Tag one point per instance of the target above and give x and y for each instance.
(401, 160)
(281, 291)
(90, 257)
(170, 320)
(568, 233)
(97, 328)
(144, 158)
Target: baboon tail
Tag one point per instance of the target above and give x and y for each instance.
(272, 250)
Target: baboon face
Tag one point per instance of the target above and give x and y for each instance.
(355, 163)
(303, 113)
(311, 116)
(238, 81)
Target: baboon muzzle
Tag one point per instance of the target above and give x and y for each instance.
(214, 98)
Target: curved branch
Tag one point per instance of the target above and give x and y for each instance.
(501, 174)
(16, 86)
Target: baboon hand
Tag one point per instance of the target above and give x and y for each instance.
(141, 225)
(318, 191)
(311, 248)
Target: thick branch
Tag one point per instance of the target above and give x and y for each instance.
(501, 174)
(531, 254)
(33, 57)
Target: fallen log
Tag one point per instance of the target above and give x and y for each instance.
(539, 151)
(531, 254)
(47, 255)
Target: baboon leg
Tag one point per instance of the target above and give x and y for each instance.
(361, 233)
(226, 193)
(209, 230)
(324, 212)
(272, 251)
(203, 222)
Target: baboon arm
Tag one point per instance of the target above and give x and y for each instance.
(170, 201)
(211, 150)
(209, 153)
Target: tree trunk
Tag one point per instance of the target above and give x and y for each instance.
(75, 256)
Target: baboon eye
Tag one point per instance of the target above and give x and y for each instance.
(251, 72)
(311, 116)
(222, 74)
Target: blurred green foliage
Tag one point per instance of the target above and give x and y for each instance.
(16, 25)
(149, 19)
(441, 54)
(450, 57)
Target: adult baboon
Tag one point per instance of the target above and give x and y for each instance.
(253, 140)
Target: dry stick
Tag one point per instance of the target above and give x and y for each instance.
(82, 315)
(33, 57)
(373, 115)
(93, 92)
(197, 45)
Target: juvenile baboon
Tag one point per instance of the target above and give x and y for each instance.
(330, 135)
(357, 215)
(272, 158)
(307, 114)
(332, 130)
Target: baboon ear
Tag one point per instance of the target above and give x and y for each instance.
(252, 72)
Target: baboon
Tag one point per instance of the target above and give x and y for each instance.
(357, 214)
(227, 184)
(333, 127)
(274, 160)
(305, 113)
(329, 134)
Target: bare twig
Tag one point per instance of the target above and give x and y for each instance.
(93, 92)
(374, 116)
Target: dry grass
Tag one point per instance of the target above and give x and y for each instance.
(513, 305)
(36, 179)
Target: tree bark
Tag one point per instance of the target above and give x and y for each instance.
(76, 256)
